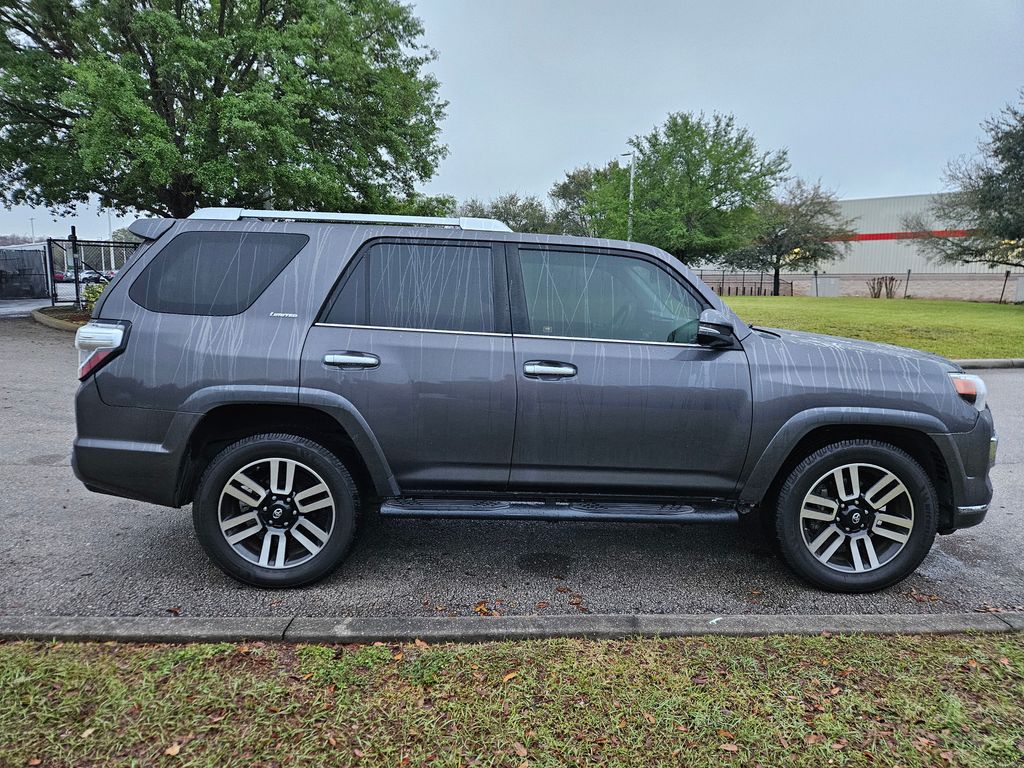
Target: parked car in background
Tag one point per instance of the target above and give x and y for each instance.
(323, 364)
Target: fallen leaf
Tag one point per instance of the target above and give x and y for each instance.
(421, 643)
(242, 649)
(562, 588)
(729, 747)
(35, 761)
(482, 609)
(398, 656)
(509, 676)
(173, 750)
(947, 756)
(331, 740)
(682, 729)
(726, 734)
(358, 753)
(813, 738)
(519, 749)
(175, 611)
(88, 732)
(649, 718)
(1004, 661)
(542, 605)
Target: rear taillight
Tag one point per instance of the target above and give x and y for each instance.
(98, 342)
(970, 388)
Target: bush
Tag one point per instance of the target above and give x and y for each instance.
(91, 294)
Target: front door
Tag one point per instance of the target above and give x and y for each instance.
(615, 395)
(417, 338)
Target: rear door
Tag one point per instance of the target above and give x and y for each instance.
(615, 395)
(417, 337)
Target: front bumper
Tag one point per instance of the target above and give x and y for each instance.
(968, 456)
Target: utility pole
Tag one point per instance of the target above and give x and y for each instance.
(632, 171)
(32, 224)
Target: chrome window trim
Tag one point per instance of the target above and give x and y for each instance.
(506, 335)
(409, 330)
(610, 341)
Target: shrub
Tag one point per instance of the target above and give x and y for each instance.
(91, 294)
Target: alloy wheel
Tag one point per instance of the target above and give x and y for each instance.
(276, 513)
(856, 518)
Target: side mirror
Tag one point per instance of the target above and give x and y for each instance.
(715, 329)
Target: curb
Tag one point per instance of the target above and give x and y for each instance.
(468, 629)
(997, 362)
(53, 322)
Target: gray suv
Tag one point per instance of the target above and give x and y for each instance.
(283, 371)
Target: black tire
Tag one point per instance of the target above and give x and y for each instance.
(206, 509)
(789, 528)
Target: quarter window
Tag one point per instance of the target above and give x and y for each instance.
(214, 273)
(580, 294)
(423, 286)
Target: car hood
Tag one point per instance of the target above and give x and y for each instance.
(855, 349)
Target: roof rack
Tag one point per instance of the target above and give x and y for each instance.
(460, 222)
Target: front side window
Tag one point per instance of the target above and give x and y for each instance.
(579, 294)
(214, 273)
(422, 286)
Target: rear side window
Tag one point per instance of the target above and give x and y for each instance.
(214, 273)
(422, 286)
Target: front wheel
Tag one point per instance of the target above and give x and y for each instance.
(275, 510)
(856, 516)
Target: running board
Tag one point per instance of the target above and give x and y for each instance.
(543, 510)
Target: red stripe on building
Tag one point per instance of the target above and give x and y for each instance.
(908, 235)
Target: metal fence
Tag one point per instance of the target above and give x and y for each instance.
(75, 263)
(726, 283)
(23, 273)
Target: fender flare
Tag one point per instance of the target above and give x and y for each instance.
(342, 411)
(801, 424)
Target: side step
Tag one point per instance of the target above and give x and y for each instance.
(571, 510)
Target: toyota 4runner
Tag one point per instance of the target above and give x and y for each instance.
(282, 371)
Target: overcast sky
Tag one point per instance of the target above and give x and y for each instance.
(871, 97)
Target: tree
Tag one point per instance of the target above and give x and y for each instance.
(522, 214)
(800, 230)
(698, 181)
(124, 235)
(981, 221)
(170, 105)
(14, 239)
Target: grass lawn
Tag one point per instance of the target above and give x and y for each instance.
(955, 329)
(815, 701)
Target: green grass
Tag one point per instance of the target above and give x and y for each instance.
(814, 701)
(955, 329)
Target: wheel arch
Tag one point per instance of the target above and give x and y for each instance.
(809, 431)
(341, 430)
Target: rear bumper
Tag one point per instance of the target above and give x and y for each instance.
(124, 451)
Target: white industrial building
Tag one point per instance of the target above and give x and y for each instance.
(883, 246)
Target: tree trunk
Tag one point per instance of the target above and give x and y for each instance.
(775, 282)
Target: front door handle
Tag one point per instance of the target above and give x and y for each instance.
(351, 360)
(548, 369)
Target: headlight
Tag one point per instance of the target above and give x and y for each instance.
(970, 388)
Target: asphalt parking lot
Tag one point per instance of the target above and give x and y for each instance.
(65, 551)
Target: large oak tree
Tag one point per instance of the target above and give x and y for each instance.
(170, 105)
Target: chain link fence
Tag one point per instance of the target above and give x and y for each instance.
(726, 283)
(23, 273)
(75, 263)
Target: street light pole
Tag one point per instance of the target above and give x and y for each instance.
(632, 171)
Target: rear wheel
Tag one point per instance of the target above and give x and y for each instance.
(856, 516)
(276, 510)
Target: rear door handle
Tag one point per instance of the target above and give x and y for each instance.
(548, 369)
(351, 360)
